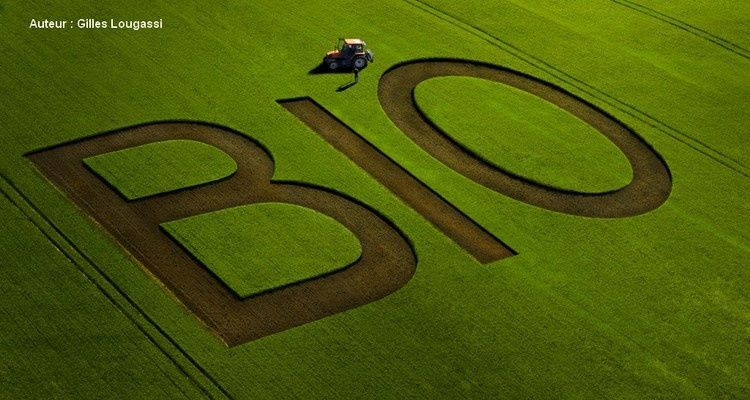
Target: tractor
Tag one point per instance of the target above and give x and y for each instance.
(349, 53)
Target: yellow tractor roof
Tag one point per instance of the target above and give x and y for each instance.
(353, 41)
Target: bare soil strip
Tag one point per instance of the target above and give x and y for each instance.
(481, 244)
(386, 264)
(651, 184)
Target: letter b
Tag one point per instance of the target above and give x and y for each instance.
(386, 264)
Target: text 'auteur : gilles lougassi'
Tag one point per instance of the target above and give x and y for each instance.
(91, 23)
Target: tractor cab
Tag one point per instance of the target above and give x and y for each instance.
(352, 46)
(349, 53)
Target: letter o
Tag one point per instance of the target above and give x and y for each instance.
(649, 188)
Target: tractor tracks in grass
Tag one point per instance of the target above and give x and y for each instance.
(120, 300)
(588, 89)
(649, 188)
(682, 25)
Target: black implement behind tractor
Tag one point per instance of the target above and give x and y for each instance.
(349, 53)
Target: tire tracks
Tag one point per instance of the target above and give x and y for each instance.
(682, 25)
(590, 90)
(76, 257)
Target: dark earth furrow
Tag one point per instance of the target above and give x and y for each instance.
(386, 264)
(649, 188)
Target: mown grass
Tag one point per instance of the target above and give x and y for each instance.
(259, 247)
(654, 306)
(510, 127)
(160, 167)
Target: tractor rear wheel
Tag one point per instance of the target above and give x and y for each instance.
(333, 65)
(360, 62)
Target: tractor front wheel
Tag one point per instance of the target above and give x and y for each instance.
(360, 63)
(333, 65)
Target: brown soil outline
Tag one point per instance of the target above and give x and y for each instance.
(386, 264)
(649, 188)
(464, 231)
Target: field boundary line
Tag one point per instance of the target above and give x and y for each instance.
(109, 289)
(582, 86)
(682, 25)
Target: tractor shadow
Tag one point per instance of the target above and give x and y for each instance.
(321, 69)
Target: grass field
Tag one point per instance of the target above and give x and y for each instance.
(260, 247)
(649, 306)
(161, 167)
(545, 143)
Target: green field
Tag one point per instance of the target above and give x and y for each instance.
(504, 125)
(651, 306)
(260, 247)
(161, 167)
